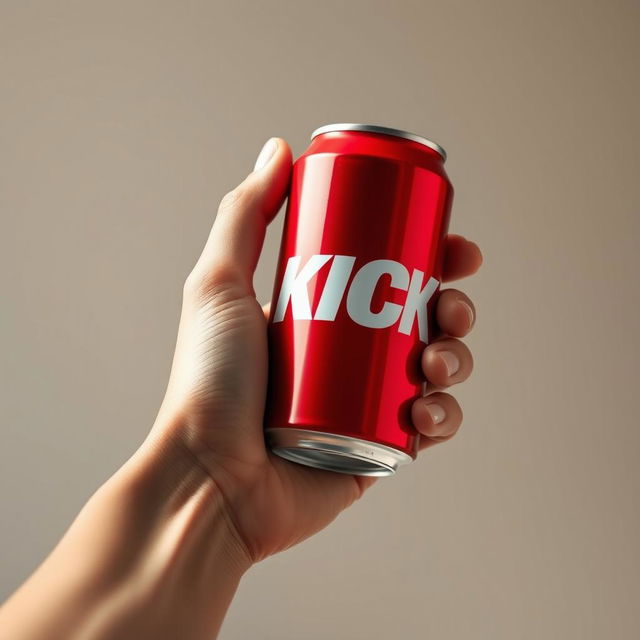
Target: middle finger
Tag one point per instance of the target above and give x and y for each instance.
(455, 313)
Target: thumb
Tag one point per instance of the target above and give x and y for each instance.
(235, 242)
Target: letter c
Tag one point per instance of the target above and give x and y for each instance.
(361, 293)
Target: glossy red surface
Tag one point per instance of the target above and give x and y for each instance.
(374, 197)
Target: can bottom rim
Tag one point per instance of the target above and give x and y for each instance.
(332, 452)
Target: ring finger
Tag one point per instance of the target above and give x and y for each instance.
(446, 361)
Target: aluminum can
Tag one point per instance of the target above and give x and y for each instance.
(357, 279)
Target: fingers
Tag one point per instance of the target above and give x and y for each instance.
(455, 313)
(233, 248)
(436, 417)
(446, 361)
(462, 258)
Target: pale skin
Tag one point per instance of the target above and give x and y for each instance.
(159, 549)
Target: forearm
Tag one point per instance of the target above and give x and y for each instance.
(153, 554)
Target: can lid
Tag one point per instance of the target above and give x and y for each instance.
(372, 128)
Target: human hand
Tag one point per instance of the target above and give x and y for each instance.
(213, 409)
(159, 549)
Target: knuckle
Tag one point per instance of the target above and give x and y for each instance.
(193, 285)
(189, 284)
(234, 199)
(203, 284)
(228, 201)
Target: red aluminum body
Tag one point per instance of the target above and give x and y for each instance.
(372, 197)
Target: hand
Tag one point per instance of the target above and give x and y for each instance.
(159, 549)
(213, 409)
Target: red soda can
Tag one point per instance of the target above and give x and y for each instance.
(360, 265)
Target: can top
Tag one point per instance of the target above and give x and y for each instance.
(388, 131)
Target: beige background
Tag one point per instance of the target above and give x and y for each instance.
(123, 123)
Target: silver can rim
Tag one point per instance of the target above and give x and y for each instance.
(334, 452)
(388, 131)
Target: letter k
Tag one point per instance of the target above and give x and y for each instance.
(416, 305)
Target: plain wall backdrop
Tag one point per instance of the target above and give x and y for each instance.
(121, 126)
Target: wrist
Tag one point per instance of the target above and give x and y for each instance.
(166, 484)
(152, 554)
(184, 552)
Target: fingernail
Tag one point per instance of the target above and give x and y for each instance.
(470, 314)
(451, 361)
(436, 412)
(266, 153)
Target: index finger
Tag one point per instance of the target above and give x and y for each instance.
(462, 258)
